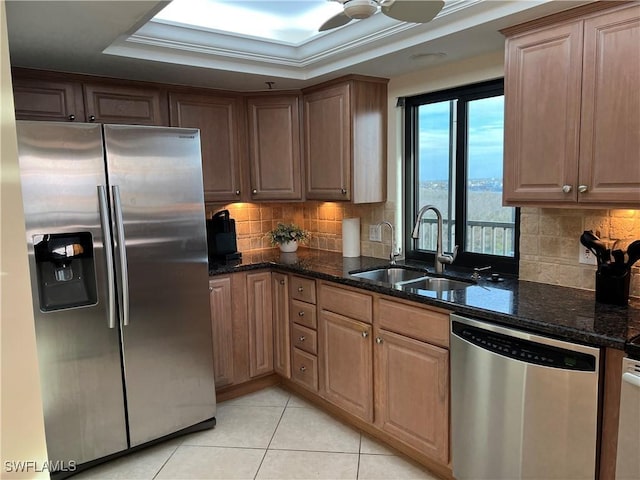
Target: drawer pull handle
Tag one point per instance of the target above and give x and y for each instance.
(303, 369)
(301, 338)
(378, 340)
(300, 289)
(301, 313)
(365, 334)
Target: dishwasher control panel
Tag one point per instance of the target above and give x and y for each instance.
(525, 350)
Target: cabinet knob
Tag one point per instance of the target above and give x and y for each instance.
(254, 191)
(365, 334)
(582, 188)
(301, 338)
(343, 191)
(211, 289)
(281, 282)
(301, 313)
(71, 117)
(303, 369)
(237, 192)
(300, 289)
(567, 188)
(92, 118)
(378, 340)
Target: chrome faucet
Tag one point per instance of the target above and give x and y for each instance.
(393, 254)
(440, 259)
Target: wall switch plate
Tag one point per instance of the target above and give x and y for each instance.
(586, 256)
(375, 233)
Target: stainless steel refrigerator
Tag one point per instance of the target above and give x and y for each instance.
(118, 259)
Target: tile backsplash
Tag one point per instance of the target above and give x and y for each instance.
(323, 220)
(549, 243)
(549, 237)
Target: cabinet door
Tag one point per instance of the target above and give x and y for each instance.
(412, 393)
(346, 366)
(542, 115)
(327, 144)
(222, 329)
(218, 118)
(274, 147)
(610, 129)
(128, 105)
(54, 101)
(281, 350)
(260, 315)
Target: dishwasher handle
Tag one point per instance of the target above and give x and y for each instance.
(524, 350)
(631, 378)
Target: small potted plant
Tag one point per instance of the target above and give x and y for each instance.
(287, 235)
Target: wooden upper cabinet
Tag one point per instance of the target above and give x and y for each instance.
(571, 110)
(610, 127)
(106, 103)
(345, 131)
(274, 147)
(542, 114)
(218, 118)
(48, 100)
(412, 392)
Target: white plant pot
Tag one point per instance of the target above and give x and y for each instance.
(288, 247)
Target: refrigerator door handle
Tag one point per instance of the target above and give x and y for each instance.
(108, 255)
(122, 254)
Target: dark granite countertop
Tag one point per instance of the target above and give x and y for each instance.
(561, 312)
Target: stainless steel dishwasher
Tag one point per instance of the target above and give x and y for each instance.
(523, 406)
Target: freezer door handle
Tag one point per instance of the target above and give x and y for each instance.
(108, 255)
(122, 254)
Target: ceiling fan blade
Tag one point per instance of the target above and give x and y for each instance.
(416, 11)
(334, 22)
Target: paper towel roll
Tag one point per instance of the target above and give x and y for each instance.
(351, 237)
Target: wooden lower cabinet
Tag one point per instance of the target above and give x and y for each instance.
(346, 364)
(412, 392)
(281, 349)
(221, 330)
(260, 316)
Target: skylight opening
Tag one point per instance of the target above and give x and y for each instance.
(289, 21)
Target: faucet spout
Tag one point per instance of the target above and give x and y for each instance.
(440, 257)
(393, 254)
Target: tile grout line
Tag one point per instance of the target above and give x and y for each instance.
(359, 457)
(272, 435)
(166, 461)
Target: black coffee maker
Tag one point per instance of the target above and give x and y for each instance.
(221, 239)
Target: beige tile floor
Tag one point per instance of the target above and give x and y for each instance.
(270, 434)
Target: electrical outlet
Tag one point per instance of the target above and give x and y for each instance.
(375, 233)
(586, 256)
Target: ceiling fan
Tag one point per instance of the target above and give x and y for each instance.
(416, 11)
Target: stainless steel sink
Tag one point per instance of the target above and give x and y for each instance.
(390, 275)
(436, 284)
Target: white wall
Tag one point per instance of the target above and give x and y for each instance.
(472, 70)
(21, 419)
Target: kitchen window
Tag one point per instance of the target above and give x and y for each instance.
(453, 160)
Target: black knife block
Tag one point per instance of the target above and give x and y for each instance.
(612, 287)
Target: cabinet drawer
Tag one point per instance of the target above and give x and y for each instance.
(413, 321)
(304, 338)
(303, 314)
(304, 369)
(348, 303)
(303, 289)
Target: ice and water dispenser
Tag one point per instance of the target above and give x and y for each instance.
(65, 270)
